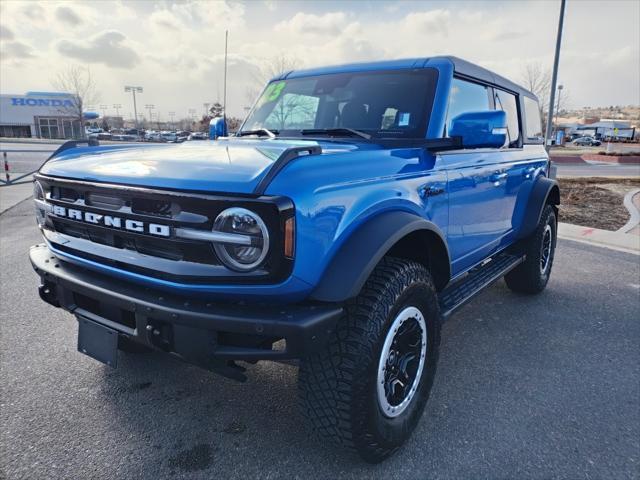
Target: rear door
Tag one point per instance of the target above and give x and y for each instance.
(477, 185)
(521, 164)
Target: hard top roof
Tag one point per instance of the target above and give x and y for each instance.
(460, 66)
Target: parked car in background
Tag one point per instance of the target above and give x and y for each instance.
(171, 137)
(153, 136)
(198, 136)
(588, 141)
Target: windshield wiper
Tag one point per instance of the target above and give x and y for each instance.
(260, 132)
(336, 132)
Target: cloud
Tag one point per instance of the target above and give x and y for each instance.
(68, 16)
(432, 21)
(165, 19)
(17, 50)
(108, 47)
(507, 36)
(6, 33)
(331, 23)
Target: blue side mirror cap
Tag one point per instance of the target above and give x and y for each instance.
(485, 129)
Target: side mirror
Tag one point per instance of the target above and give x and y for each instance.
(486, 129)
(217, 128)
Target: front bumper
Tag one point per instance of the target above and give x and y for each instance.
(206, 334)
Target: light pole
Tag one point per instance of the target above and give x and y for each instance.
(554, 76)
(560, 87)
(117, 106)
(206, 108)
(150, 107)
(133, 91)
(172, 114)
(224, 98)
(104, 111)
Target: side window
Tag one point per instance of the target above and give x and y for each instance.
(508, 103)
(532, 120)
(466, 97)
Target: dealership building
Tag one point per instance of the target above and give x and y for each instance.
(39, 115)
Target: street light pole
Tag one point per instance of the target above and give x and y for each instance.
(560, 87)
(554, 77)
(117, 106)
(150, 107)
(133, 91)
(224, 95)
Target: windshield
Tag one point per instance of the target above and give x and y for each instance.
(383, 104)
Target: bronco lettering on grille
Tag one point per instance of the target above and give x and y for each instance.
(112, 222)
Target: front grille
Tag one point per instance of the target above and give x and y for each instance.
(166, 258)
(148, 206)
(198, 252)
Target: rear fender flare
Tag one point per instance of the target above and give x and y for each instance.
(545, 191)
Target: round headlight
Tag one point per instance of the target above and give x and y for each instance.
(243, 255)
(38, 195)
(38, 191)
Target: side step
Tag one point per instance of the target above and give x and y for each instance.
(463, 290)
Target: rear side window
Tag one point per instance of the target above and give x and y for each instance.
(466, 97)
(532, 120)
(508, 103)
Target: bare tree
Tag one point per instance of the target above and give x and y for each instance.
(270, 68)
(537, 78)
(78, 82)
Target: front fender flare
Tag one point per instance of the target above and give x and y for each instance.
(352, 265)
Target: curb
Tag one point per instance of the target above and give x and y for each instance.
(567, 159)
(623, 242)
(634, 213)
(613, 159)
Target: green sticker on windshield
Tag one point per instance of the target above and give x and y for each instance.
(273, 91)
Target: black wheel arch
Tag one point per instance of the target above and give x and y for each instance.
(397, 233)
(545, 191)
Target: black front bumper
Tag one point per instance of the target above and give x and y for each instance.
(206, 334)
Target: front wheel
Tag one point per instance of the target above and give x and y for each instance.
(368, 388)
(532, 275)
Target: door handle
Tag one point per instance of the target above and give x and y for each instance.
(528, 171)
(496, 177)
(430, 191)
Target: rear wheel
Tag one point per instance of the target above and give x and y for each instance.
(367, 389)
(532, 275)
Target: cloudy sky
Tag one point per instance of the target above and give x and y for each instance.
(175, 49)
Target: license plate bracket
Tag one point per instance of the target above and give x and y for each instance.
(98, 342)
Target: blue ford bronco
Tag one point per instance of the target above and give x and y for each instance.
(356, 208)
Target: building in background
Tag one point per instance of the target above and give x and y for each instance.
(39, 115)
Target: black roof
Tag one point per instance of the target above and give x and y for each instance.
(469, 69)
(461, 67)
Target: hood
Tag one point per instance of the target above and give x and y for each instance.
(233, 165)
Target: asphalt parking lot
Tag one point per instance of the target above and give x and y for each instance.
(527, 387)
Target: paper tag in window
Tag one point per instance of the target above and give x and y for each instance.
(403, 119)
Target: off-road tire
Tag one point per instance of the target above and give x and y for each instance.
(528, 277)
(338, 385)
(129, 346)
